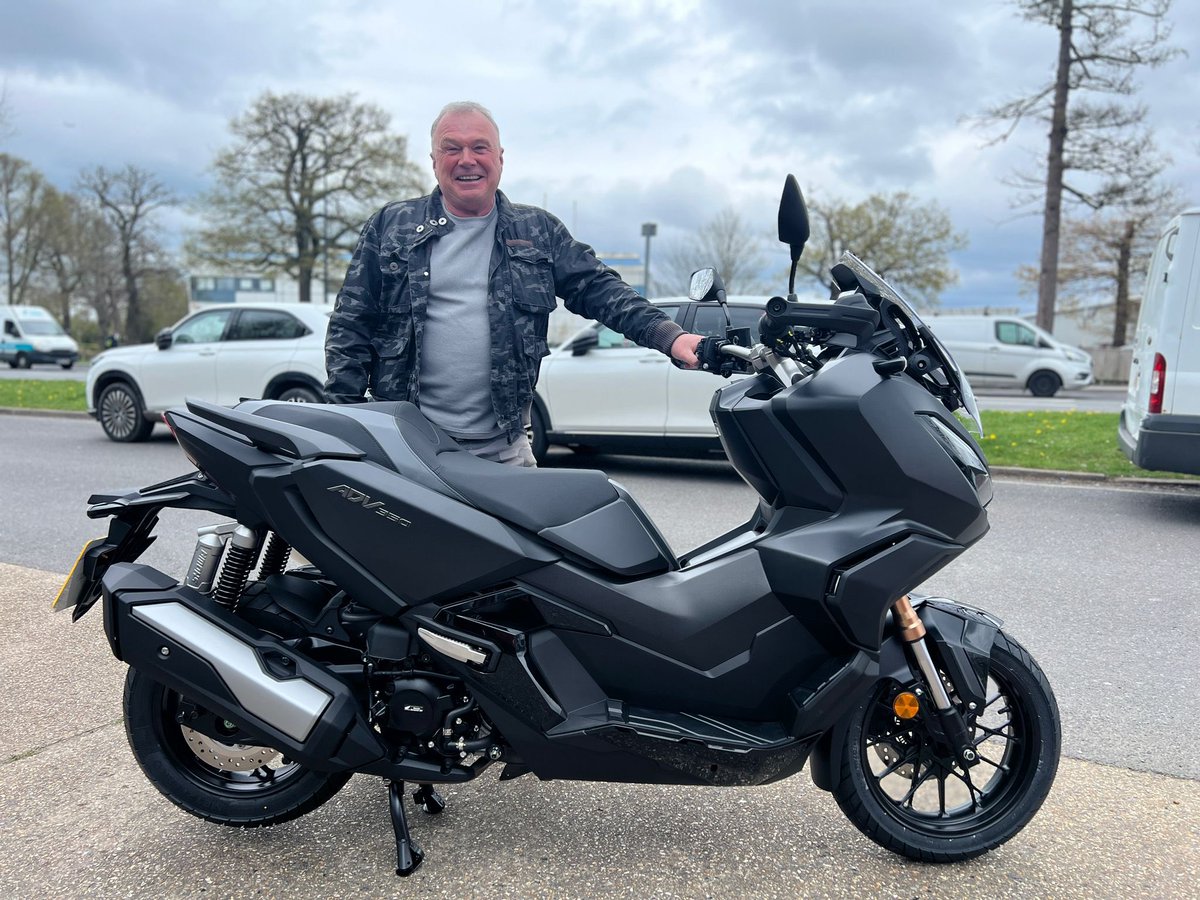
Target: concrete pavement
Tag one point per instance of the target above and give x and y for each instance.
(78, 819)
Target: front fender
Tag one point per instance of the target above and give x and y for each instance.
(960, 639)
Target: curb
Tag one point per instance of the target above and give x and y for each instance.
(50, 413)
(1132, 481)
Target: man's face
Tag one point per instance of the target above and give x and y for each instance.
(467, 160)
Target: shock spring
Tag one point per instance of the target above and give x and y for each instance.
(274, 557)
(239, 560)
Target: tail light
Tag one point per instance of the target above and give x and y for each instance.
(1158, 383)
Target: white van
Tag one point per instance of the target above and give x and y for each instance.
(1007, 351)
(1159, 427)
(31, 335)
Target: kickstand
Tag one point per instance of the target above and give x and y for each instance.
(408, 852)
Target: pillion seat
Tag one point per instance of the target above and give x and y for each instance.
(582, 511)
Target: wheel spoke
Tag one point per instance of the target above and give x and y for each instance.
(999, 766)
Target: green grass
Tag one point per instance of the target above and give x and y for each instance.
(1069, 441)
(31, 393)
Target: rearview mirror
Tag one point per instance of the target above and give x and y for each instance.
(163, 339)
(706, 285)
(793, 217)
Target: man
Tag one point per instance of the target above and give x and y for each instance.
(447, 298)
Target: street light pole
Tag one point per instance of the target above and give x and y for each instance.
(649, 230)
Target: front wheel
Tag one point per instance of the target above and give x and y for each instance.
(119, 410)
(910, 796)
(219, 780)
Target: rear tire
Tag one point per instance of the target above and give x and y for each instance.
(180, 763)
(67, 365)
(120, 412)
(1043, 384)
(908, 797)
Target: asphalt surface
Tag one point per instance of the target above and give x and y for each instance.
(77, 818)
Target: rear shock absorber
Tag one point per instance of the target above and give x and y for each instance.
(240, 555)
(274, 557)
(210, 544)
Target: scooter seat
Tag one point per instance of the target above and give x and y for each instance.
(578, 509)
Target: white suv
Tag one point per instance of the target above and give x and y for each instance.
(598, 390)
(223, 353)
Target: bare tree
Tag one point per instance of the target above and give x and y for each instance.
(6, 125)
(302, 177)
(23, 193)
(1101, 45)
(725, 242)
(1106, 252)
(906, 241)
(127, 200)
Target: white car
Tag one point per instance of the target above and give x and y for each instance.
(598, 390)
(223, 353)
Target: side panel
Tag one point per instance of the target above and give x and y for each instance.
(421, 544)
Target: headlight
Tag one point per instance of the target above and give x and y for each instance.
(964, 455)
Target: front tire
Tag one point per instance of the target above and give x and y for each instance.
(230, 784)
(905, 794)
(119, 410)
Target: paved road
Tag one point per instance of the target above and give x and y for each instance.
(1109, 611)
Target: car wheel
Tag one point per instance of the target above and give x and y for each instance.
(120, 412)
(537, 437)
(300, 394)
(1043, 384)
(22, 361)
(67, 365)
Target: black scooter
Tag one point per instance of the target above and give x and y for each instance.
(458, 614)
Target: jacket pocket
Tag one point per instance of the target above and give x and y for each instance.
(532, 281)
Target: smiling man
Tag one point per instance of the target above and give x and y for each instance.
(447, 298)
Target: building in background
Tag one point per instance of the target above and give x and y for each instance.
(203, 289)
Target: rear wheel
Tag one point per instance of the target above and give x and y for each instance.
(1043, 384)
(229, 783)
(119, 410)
(909, 795)
(67, 365)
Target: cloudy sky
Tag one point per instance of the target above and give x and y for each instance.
(612, 112)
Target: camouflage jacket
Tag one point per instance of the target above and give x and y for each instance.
(374, 340)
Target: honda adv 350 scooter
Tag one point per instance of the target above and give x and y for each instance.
(457, 614)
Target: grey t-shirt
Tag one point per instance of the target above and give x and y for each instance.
(456, 346)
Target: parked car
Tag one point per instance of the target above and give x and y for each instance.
(1159, 427)
(1007, 351)
(223, 354)
(599, 390)
(31, 335)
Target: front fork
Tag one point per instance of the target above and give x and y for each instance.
(953, 727)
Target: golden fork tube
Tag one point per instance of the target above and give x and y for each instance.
(911, 628)
(913, 631)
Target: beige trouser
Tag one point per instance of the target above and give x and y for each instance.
(498, 449)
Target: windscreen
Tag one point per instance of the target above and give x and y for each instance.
(875, 284)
